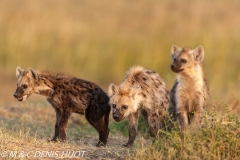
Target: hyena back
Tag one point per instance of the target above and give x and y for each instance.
(144, 91)
(190, 91)
(67, 95)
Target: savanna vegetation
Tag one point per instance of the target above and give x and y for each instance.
(99, 41)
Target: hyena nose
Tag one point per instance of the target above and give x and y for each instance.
(172, 66)
(115, 116)
(15, 95)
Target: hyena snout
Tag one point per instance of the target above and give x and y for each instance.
(173, 67)
(15, 95)
(176, 68)
(117, 116)
(19, 95)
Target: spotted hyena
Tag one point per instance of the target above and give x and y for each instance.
(190, 90)
(144, 91)
(67, 95)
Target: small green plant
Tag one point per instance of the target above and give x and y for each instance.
(121, 127)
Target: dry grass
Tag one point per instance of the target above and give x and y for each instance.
(217, 139)
(29, 127)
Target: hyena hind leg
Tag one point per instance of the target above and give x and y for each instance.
(102, 127)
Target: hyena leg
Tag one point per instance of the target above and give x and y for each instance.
(154, 126)
(197, 117)
(104, 136)
(132, 128)
(183, 120)
(103, 132)
(151, 123)
(101, 126)
(63, 125)
(58, 118)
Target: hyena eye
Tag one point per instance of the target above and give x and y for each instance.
(113, 105)
(174, 60)
(24, 86)
(125, 107)
(183, 60)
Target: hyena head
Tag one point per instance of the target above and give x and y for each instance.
(185, 58)
(26, 83)
(123, 101)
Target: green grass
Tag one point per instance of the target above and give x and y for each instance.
(122, 127)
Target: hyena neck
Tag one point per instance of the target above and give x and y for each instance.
(191, 77)
(138, 102)
(46, 85)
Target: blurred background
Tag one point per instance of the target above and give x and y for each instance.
(100, 40)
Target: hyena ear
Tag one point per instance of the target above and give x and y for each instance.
(34, 73)
(175, 50)
(135, 92)
(198, 54)
(112, 90)
(18, 71)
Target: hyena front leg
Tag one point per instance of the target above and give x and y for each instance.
(153, 120)
(132, 128)
(197, 119)
(58, 118)
(183, 120)
(63, 125)
(182, 117)
(198, 112)
(182, 114)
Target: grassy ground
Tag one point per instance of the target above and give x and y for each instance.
(29, 126)
(100, 41)
(217, 139)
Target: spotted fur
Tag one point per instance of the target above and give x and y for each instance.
(142, 90)
(67, 95)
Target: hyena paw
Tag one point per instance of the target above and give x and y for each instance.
(57, 140)
(100, 144)
(128, 145)
(53, 140)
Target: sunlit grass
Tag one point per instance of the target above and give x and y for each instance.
(218, 139)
